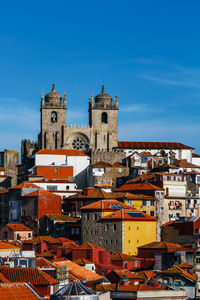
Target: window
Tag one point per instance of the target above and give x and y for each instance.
(72, 230)
(104, 117)
(18, 236)
(87, 217)
(56, 170)
(91, 232)
(95, 217)
(88, 254)
(129, 241)
(52, 187)
(144, 202)
(29, 235)
(77, 230)
(107, 227)
(137, 241)
(114, 227)
(198, 260)
(152, 203)
(54, 116)
(152, 213)
(5, 234)
(67, 187)
(137, 227)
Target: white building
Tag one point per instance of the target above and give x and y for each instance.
(64, 157)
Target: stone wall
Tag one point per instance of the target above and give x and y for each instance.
(108, 157)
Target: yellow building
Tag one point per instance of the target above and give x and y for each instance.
(117, 227)
(144, 203)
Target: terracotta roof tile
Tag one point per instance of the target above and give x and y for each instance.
(88, 246)
(67, 152)
(25, 185)
(17, 291)
(18, 227)
(78, 271)
(123, 257)
(185, 164)
(41, 239)
(138, 187)
(82, 261)
(131, 287)
(106, 205)
(8, 246)
(41, 262)
(195, 155)
(32, 275)
(3, 279)
(127, 273)
(178, 270)
(129, 215)
(152, 145)
(161, 245)
(61, 217)
(101, 164)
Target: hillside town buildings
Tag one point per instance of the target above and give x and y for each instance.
(117, 219)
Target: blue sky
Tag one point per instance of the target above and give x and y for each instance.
(146, 51)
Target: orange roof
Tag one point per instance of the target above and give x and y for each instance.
(88, 246)
(101, 164)
(168, 223)
(106, 205)
(195, 155)
(40, 192)
(25, 185)
(145, 153)
(61, 217)
(178, 270)
(160, 245)
(41, 239)
(41, 262)
(152, 145)
(130, 288)
(118, 165)
(8, 246)
(78, 271)
(123, 257)
(17, 291)
(82, 261)
(146, 274)
(129, 215)
(128, 274)
(3, 279)
(138, 186)
(67, 152)
(186, 164)
(33, 275)
(18, 227)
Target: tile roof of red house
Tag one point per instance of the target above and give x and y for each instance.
(138, 186)
(18, 227)
(183, 163)
(38, 193)
(106, 205)
(88, 246)
(129, 215)
(82, 261)
(195, 155)
(102, 164)
(41, 262)
(17, 291)
(123, 272)
(3, 279)
(178, 270)
(67, 152)
(123, 257)
(161, 245)
(152, 145)
(61, 217)
(41, 239)
(78, 272)
(130, 288)
(25, 185)
(33, 275)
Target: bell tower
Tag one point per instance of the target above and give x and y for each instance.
(103, 120)
(53, 120)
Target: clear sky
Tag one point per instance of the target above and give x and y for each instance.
(146, 51)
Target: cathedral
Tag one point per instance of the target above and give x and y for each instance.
(101, 133)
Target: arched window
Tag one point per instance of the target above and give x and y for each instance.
(104, 117)
(54, 116)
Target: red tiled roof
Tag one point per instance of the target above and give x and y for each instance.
(195, 155)
(178, 270)
(33, 275)
(145, 153)
(78, 272)
(130, 288)
(40, 192)
(183, 163)
(127, 273)
(18, 227)
(3, 279)
(123, 257)
(82, 261)
(101, 164)
(105, 205)
(7, 246)
(146, 274)
(17, 291)
(152, 145)
(123, 215)
(25, 185)
(88, 246)
(160, 245)
(41, 262)
(41, 239)
(138, 186)
(67, 152)
(118, 165)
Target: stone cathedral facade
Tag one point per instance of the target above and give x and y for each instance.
(101, 132)
(98, 138)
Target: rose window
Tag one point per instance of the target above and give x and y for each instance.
(78, 143)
